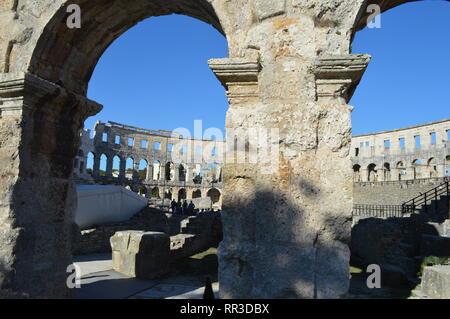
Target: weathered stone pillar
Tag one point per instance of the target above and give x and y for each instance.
(40, 125)
(286, 230)
(162, 172)
(109, 166)
(96, 167)
(135, 169)
(149, 171)
(122, 167)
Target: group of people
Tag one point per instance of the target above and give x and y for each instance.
(182, 208)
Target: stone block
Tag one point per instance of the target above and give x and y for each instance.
(435, 246)
(144, 255)
(436, 281)
(269, 8)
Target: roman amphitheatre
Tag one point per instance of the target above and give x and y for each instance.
(334, 204)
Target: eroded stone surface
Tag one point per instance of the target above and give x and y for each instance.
(296, 214)
(140, 254)
(436, 281)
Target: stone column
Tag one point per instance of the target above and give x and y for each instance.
(149, 171)
(122, 168)
(162, 172)
(109, 166)
(287, 223)
(135, 169)
(364, 174)
(39, 128)
(96, 167)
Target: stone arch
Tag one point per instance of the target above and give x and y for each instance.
(155, 193)
(214, 194)
(90, 163)
(356, 173)
(447, 160)
(156, 170)
(169, 171)
(103, 165)
(372, 173)
(417, 166)
(214, 173)
(168, 194)
(182, 173)
(360, 21)
(197, 193)
(116, 166)
(65, 56)
(143, 169)
(401, 168)
(143, 190)
(182, 194)
(387, 171)
(447, 166)
(197, 174)
(129, 168)
(432, 168)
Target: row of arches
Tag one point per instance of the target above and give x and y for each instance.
(401, 170)
(116, 167)
(182, 194)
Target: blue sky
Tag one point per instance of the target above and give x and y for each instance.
(156, 74)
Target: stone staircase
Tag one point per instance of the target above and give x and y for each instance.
(432, 206)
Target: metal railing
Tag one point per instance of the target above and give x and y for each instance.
(424, 199)
(383, 211)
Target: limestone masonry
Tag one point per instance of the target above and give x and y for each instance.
(162, 164)
(417, 152)
(289, 66)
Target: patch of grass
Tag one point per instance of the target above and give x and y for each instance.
(211, 251)
(355, 270)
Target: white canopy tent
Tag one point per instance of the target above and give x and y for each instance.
(99, 204)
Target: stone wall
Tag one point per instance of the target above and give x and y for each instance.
(188, 235)
(421, 151)
(185, 167)
(391, 193)
(96, 239)
(290, 68)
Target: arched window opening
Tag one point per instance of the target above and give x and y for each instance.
(116, 167)
(197, 194)
(417, 169)
(181, 173)
(90, 163)
(170, 171)
(197, 174)
(168, 194)
(181, 194)
(214, 173)
(357, 173)
(129, 168)
(103, 164)
(156, 170)
(447, 165)
(214, 194)
(155, 193)
(432, 168)
(143, 164)
(387, 171)
(401, 171)
(372, 173)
